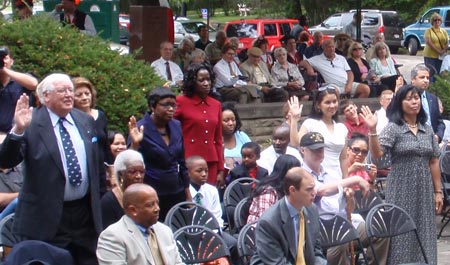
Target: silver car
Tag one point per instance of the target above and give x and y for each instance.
(374, 21)
(185, 27)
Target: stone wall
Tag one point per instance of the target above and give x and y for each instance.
(258, 120)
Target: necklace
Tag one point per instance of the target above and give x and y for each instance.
(412, 126)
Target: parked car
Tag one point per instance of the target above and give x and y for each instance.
(249, 29)
(414, 33)
(184, 27)
(374, 21)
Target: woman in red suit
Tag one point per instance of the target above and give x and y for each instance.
(201, 120)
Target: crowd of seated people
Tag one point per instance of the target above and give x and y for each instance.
(182, 149)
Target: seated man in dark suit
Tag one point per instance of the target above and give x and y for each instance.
(290, 223)
(138, 238)
(59, 202)
(248, 168)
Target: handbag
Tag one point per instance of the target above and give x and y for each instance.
(441, 56)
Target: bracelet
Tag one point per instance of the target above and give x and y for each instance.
(372, 134)
(438, 191)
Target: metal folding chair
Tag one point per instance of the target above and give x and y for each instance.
(247, 243)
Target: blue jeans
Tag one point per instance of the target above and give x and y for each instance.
(9, 209)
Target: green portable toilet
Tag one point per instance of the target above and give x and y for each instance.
(104, 14)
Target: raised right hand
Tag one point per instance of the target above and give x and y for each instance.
(295, 108)
(136, 134)
(22, 115)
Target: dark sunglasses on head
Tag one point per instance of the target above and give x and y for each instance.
(357, 150)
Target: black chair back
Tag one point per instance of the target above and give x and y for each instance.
(188, 213)
(389, 220)
(364, 204)
(241, 213)
(247, 242)
(197, 243)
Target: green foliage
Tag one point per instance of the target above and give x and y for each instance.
(441, 88)
(41, 46)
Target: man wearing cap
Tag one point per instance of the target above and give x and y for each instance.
(12, 85)
(330, 198)
(258, 73)
(68, 14)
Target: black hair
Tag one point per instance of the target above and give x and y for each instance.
(275, 179)
(394, 111)
(254, 146)
(318, 98)
(110, 137)
(158, 94)
(302, 20)
(190, 78)
(230, 106)
(357, 136)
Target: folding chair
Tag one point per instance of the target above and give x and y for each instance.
(335, 230)
(241, 213)
(444, 164)
(364, 204)
(389, 220)
(188, 213)
(197, 244)
(235, 192)
(247, 243)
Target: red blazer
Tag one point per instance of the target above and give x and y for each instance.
(201, 122)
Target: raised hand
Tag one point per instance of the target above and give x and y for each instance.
(22, 115)
(295, 108)
(370, 119)
(136, 134)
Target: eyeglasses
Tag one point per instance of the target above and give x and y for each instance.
(357, 150)
(167, 105)
(357, 49)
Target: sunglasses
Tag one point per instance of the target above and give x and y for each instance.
(357, 49)
(328, 88)
(437, 19)
(357, 150)
(331, 62)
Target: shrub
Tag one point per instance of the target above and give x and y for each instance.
(41, 46)
(441, 88)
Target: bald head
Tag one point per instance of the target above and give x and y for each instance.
(132, 194)
(141, 204)
(280, 139)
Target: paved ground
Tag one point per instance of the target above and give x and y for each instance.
(443, 244)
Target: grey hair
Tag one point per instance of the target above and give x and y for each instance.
(48, 84)
(187, 40)
(198, 53)
(279, 50)
(326, 42)
(124, 159)
(417, 68)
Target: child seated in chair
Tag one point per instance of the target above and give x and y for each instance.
(207, 195)
(248, 168)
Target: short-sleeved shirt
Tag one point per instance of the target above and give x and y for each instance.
(439, 38)
(333, 71)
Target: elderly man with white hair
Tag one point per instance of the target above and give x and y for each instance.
(60, 198)
(129, 168)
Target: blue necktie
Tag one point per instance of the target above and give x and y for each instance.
(426, 108)
(73, 167)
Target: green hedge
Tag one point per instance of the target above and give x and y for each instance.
(41, 46)
(441, 88)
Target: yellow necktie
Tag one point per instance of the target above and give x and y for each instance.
(301, 240)
(154, 248)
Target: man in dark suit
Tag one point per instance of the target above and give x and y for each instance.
(420, 78)
(60, 199)
(279, 228)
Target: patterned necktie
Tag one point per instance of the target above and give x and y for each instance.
(73, 167)
(198, 199)
(169, 74)
(301, 240)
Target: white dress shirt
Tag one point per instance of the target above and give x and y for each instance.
(223, 74)
(269, 157)
(160, 68)
(209, 198)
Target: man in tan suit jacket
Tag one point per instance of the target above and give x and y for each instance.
(258, 73)
(129, 240)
